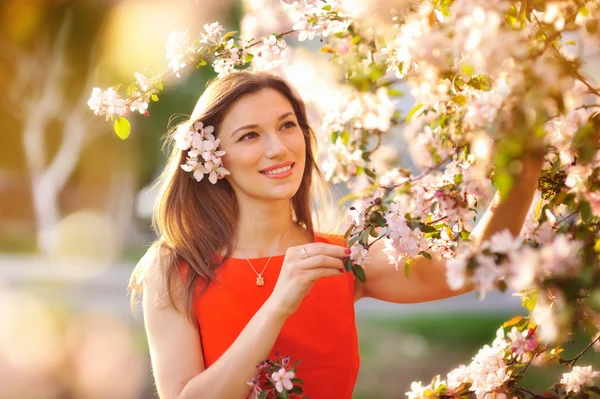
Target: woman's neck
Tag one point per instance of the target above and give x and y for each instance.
(267, 230)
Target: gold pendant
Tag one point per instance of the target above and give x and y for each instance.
(260, 281)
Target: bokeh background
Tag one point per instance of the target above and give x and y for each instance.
(75, 205)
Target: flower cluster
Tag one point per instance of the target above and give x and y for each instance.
(482, 106)
(504, 260)
(579, 379)
(495, 372)
(203, 156)
(276, 379)
(272, 52)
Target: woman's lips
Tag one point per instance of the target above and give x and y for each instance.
(280, 175)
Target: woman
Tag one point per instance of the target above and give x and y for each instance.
(239, 273)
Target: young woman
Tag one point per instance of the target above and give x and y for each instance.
(239, 272)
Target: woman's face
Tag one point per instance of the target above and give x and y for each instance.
(265, 148)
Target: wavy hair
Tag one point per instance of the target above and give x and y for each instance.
(195, 221)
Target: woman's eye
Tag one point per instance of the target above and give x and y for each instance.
(289, 125)
(248, 136)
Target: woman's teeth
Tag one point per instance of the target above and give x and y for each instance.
(277, 171)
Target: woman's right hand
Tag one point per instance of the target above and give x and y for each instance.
(302, 266)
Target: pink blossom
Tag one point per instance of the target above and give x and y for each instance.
(107, 102)
(456, 272)
(577, 380)
(488, 371)
(523, 344)
(523, 268)
(256, 389)
(359, 255)
(417, 391)
(561, 257)
(457, 377)
(486, 274)
(593, 197)
(503, 242)
(283, 379)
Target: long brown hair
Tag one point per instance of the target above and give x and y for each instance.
(197, 220)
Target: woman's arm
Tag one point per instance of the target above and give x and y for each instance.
(176, 351)
(427, 280)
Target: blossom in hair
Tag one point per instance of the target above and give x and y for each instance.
(203, 158)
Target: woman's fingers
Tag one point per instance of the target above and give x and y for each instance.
(308, 251)
(321, 261)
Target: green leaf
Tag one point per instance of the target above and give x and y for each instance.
(425, 228)
(595, 390)
(504, 182)
(586, 212)
(348, 264)
(122, 127)
(263, 394)
(348, 232)
(364, 237)
(554, 169)
(228, 35)
(538, 208)
(407, 268)
(413, 111)
(370, 173)
(327, 7)
(284, 394)
(359, 272)
(529, 301)
(393, 92)
(425, 254)
(154, 98)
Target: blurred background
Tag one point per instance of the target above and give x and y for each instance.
(75, 205)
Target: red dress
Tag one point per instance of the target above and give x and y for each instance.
(321, 333)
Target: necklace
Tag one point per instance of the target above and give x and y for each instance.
(260, 280)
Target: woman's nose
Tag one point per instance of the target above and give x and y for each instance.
(276, 148)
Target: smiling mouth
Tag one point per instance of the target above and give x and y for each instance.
(279, 170)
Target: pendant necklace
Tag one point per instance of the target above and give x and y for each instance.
(260, 280)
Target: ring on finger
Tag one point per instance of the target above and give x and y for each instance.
(304, 254)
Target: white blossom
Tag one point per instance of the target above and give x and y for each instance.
(178, 50)
(488, 371)
(359, 255)
(579, 378)
(204, 158)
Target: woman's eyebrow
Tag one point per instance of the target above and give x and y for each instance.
(254, 126)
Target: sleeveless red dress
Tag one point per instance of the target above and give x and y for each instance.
(321, 333)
